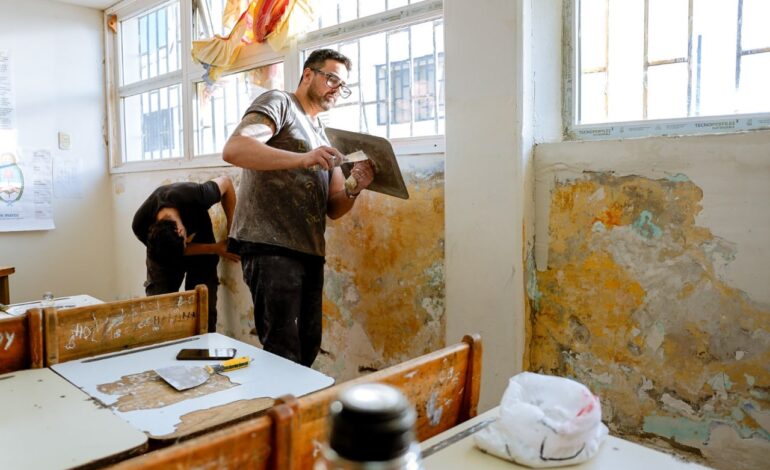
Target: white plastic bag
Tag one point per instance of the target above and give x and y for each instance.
(545, 421)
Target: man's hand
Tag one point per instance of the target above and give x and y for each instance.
(322, 156)
(363, 172)
(221, 250)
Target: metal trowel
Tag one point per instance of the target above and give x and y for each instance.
(186, 377)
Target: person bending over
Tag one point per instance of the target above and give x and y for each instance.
(174, 224)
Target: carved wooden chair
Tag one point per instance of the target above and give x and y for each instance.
(114, 326)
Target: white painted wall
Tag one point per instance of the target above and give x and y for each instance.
(502, 94)
(484, 211)
(59, 86)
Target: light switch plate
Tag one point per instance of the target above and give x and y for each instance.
(64, 141)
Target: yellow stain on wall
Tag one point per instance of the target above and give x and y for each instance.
(385, 276)
(631, 305)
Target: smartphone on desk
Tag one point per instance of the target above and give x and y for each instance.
(205, 354)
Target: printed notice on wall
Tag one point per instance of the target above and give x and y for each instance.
(7, 100)
(26, 192)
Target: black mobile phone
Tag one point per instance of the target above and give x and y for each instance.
(204, 354)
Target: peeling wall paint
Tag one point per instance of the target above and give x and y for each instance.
(384, 275)
(384, 291)
(632, 302)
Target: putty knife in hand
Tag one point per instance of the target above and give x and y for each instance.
(186, 377)
(357, 156)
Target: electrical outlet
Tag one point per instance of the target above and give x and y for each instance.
(64, 141)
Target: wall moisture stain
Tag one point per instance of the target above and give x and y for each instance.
(384, 277)
(632, 305)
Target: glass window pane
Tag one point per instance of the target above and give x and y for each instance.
(593, 38)
(755, 33)
(222, 15)
(150, 43)
(334, 12)
(705, 79)
(219, 108)
(397, 83)
(668, 29)
(715, 28)
(667, 91)
(753, 96)
(593, 98)
(152, 124)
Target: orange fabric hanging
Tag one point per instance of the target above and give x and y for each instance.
(268, 17)
(274, 20)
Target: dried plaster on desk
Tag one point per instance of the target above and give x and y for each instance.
(384, 292)
(631, 301)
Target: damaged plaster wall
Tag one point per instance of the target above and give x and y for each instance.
(652, 287)
(384, 290)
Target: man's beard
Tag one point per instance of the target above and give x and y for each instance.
(321, 99)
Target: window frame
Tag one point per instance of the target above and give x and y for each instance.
(613, 130)
(251, 56)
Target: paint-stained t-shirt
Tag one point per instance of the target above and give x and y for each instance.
(192, 200)
(284, 208)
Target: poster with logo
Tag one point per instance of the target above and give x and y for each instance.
(25, 179)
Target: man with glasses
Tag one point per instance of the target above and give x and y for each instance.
(289, 185)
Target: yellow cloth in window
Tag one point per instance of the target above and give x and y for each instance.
(298, 17)
(259, 22)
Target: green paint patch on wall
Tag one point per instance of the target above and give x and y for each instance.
(632, 305)
(682, 430)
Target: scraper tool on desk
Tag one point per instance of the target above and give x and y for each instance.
(186, 377)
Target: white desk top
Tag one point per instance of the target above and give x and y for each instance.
(453, 450)
(60, 303)
(47, 423)
(123, 382)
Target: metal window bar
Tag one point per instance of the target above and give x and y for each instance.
(676, 60)
(156, 52)
(388, 91)
(435, 80)
(410, 91)
(739, 51)
(144, 59)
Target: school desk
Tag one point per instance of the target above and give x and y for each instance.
(59, 302)
(127, 384)
(46, 422)
(455, 449)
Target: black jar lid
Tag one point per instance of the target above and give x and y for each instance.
(371, 422)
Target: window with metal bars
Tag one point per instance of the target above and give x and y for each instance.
(398, 67)
(643, 60)
(163, 110)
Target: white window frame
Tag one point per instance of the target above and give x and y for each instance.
(697, 125)
(251, 56)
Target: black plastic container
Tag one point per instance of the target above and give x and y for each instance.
(372, 427)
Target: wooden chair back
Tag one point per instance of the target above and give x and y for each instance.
(443, 386)
(21, 342)
(244, 445)
(113, 326)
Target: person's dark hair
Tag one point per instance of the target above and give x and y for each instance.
(164, 245)
(317, 58)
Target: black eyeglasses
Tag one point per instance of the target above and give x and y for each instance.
(333, 81)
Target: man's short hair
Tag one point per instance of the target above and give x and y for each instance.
(164, 245)
(317, 58)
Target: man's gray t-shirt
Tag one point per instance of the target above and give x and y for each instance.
(284, 208)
